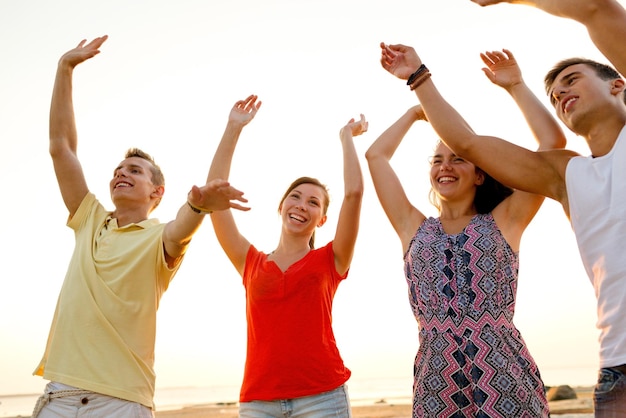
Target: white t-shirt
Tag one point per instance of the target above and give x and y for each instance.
(596, 189)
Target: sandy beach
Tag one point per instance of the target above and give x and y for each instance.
(576, 407)
(581, 407)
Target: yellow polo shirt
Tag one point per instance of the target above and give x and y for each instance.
(103, 330)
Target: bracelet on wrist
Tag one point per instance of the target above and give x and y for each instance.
(198, 210)
(418, 82)
(422, 69)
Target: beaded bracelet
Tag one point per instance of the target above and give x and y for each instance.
(422, 68)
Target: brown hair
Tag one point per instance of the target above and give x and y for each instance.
(158, 179)
(315, 182)
(603, 71)
(488, 195)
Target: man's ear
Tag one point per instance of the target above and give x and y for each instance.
(617, 86)
(158, 192)
(322, 221)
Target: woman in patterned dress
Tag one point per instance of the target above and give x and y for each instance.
(461, 269)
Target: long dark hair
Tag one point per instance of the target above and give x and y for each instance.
(488, 195)
(315, 182)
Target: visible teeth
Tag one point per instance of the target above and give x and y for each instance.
(297, 218)
(122, 184)
(568, 102)
(446, 179)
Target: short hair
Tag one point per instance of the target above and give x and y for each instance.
(315, 182)
(158, 179)
(157, 175)
(603, 71)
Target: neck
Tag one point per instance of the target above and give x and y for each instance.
(127, 217)
(292, 244)
(457, 210)
(602, 131)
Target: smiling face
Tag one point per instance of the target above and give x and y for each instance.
(452, 177)
(132, 183)
(303, 208)
(583, 92)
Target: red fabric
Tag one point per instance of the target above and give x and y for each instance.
(291, 346)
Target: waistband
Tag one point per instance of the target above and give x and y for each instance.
(621, 368)
(48, 396)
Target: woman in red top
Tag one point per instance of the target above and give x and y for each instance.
(293, 365)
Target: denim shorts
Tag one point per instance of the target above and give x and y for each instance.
(332, 404)
(609, 395)
(87, 404)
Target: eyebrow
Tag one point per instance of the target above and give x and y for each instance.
(127, 165)
(566, 77)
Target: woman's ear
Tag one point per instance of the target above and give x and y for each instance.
(480, 177)
(322, 221)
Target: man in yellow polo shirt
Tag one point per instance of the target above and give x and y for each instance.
(99, 356)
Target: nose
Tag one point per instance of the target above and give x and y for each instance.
(445, 166)
(558, 92)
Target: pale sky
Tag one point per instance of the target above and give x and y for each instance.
(166, 80)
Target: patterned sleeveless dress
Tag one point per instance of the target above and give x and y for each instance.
(472, 360)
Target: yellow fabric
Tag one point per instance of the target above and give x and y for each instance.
(103, 330)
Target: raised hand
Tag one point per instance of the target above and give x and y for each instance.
(245, 110)
(82, 52)
(399, 60)
(355, 128)
(216, 195)
(502, 68)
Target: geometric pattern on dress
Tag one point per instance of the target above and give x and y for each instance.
(471, 360)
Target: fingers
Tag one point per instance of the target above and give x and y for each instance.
(249, 104)
(237, 206)
(97, 42)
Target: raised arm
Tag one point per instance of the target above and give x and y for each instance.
(404, 217)
(605, 21)
(350, 212)
(63, 136)
(215, 195)
(233, 243)
(515, 213)
(502, 70)
(539, 173)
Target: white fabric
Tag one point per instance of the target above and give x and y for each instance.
(596, 189)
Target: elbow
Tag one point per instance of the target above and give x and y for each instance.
(372, 154)
(355, 193)
(460, 146)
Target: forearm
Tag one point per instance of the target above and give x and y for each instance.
(352, 175)
(387, 143)
(62, 127)
(222, 159)
(543, 125)
(178, 233)
(578, 10)
(445, 120)
(605, 21)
